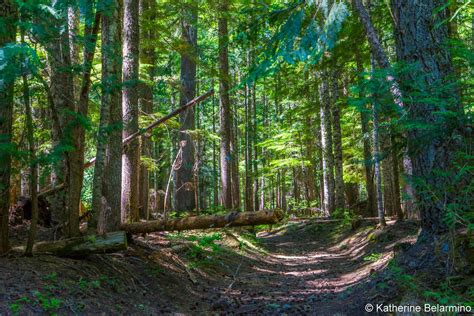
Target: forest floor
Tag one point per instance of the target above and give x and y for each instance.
(300, 267)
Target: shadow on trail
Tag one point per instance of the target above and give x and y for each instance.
(312, 269)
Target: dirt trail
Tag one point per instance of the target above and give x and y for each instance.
(310, 269)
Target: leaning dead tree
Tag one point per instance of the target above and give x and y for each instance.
(141, 132)
(233, 219)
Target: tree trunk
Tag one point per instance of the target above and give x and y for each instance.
(387, 172)
(377, 155)
(7, 34)
(382, 60)
(214, 156)
(369, 178)
(326, 142)
(79, 247)
(396, 180)
(33, 165)
(254, 148)
(226, 156)
(106, 199)
(233, 219)
(184, 187)
(420, 41)
(147, 59)
(234, 148)
(90, 42)
(131, 153)
(248, 146)
(66, 205)
(339, 177)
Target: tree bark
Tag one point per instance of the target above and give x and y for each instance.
(396, 180)
(184, 187)
(66, 205)
(92, 25)
(33, 165)
(226, 156)
(233, 219)
(248, 145)
(147, 60)
(326, 142)
(130, 93)
(106, 199)
(7, 34)
(387, 172)
(420, 41)
(376, 154)
(369, 178)
(214, 156)
(337, 139)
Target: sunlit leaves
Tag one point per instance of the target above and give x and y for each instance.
(302, 37)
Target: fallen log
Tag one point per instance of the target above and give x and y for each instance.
(85, 245)
(204, 222)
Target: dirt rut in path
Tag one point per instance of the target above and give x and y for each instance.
(312, 268)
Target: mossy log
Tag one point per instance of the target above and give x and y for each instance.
(204, 222)
(85, 245)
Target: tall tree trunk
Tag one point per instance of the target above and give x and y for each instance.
(225, 113)
(420, 41)
(148, 58)
(377, 155)
(184, 187)
(73, 26)
(326, 142)
(337, 137)
(131, 154)
(248, 145)
(382, 60)
(234, 148)
(369, 178)
(33, 165)
(91, 31)
(7, 35)
(255, 148)
(214, 155)
(62, 90)
(106, 197)
(320, 171)
(377, 169)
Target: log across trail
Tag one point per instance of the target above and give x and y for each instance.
(117, 241)
(203, 222)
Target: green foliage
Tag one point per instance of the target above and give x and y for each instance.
(444, 294)
(346, 215)
(373, 257)
(301, 36)
(52, 277)
(16, 306)
(204, 250)
(85, 284)
(47, 301)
